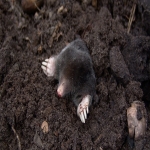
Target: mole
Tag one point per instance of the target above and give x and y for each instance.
(73, 69)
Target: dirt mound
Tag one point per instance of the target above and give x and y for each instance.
(28, 97)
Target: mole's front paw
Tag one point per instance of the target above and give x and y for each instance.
(83, 108)
(48, 66)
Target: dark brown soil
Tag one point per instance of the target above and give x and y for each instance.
(27, 97)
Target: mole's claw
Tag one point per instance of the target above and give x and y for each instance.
(82, 117)
(43, 67)
(85, 115)
(82, 109)
(46, 60)
(48, 66)
(44, 63)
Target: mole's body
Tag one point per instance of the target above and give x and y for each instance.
(74, 71)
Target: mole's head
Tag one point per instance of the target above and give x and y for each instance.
(64, 87)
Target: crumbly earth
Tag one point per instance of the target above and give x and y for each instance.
(28, 97)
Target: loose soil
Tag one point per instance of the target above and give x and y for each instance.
(28, 97)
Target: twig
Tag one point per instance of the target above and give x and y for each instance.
(131, 17)
(37, 6)
(18, 139)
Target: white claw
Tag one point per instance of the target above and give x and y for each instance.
(43, 67)
(44, 63)
(46, 60)
(82, 116)
(85, 113)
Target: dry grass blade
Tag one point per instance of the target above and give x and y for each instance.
(18, 139)
(37, 6)
(131, 17)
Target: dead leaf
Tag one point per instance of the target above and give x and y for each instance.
(58, 36)
(60, 9)
(27, 39)
(55, 34)
(44, 127)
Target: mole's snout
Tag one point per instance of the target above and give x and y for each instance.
(60, 90)
(59, 93)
